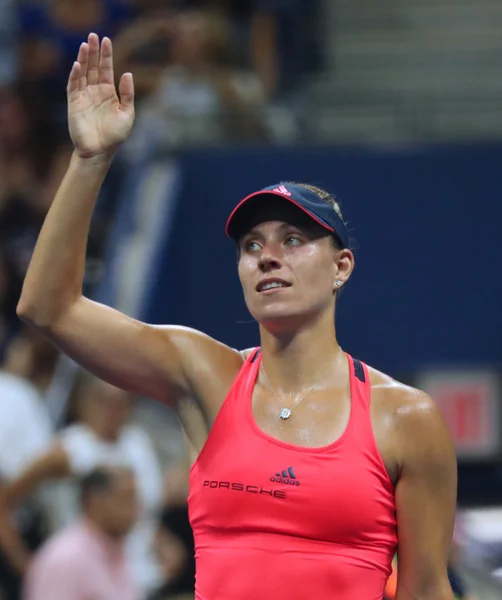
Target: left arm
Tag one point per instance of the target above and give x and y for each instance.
(425, 501)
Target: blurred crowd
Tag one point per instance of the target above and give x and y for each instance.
(113, 512)
(206, 71)
(206, 68)
(87, 508)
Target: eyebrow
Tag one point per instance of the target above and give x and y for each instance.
(251, 233)
(254, 232)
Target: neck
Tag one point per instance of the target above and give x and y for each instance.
(298, 359)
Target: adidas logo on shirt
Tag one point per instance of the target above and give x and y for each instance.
(287, 477)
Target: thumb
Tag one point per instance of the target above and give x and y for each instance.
(126, 92)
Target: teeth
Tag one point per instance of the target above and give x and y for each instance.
(271, 285)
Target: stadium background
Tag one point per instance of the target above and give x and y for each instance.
(394, 107)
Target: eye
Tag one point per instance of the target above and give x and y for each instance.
(293, 240)
(251, 246)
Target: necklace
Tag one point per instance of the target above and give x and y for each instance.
(285, 413)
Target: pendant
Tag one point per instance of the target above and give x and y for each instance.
(285, 413)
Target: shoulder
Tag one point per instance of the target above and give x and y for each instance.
(203, 349)
(65, 550)
(402, 402)
(413, 419)
(181, 335)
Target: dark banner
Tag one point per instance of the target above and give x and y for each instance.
(427, 288)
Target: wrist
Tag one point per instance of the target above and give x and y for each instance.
(99, 161)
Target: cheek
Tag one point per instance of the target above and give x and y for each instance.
(245, 268)
(315, 279)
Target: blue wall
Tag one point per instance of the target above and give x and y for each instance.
(428, 281)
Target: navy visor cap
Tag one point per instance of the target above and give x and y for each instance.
(307, 201)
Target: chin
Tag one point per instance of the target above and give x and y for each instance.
(277, 319)
(288, 316)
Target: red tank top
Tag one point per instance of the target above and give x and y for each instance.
(274, 520)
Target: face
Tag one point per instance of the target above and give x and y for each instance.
(288, 267)
(117, 508)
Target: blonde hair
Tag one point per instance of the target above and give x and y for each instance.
(326, 197)
(323, 195)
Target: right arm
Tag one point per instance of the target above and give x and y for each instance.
(165, 363)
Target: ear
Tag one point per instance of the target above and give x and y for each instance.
(344, 265)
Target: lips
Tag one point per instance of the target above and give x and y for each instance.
(271, 283)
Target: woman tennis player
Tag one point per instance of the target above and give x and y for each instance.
(312, 467)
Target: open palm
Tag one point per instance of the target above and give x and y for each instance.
(99, 120)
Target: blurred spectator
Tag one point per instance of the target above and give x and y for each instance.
(26, 153)
(457, 580)
(175, 519)
(51, 33)
(87, 560)
(31, 358)
(195, 94)
(458, 584)
(32, 163)
(103, 436)
(25, 433)
(280, 40)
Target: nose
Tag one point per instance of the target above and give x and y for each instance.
(269, 261)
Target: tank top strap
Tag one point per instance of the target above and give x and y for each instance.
(362, 437)
(254, 356)
(243, 386)
(360, 391)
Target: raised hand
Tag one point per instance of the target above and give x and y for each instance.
(99, 120)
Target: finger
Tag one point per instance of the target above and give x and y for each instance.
(126, 91)
(73, 82)
(92, 70)
(106, 62)
(83, 59)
